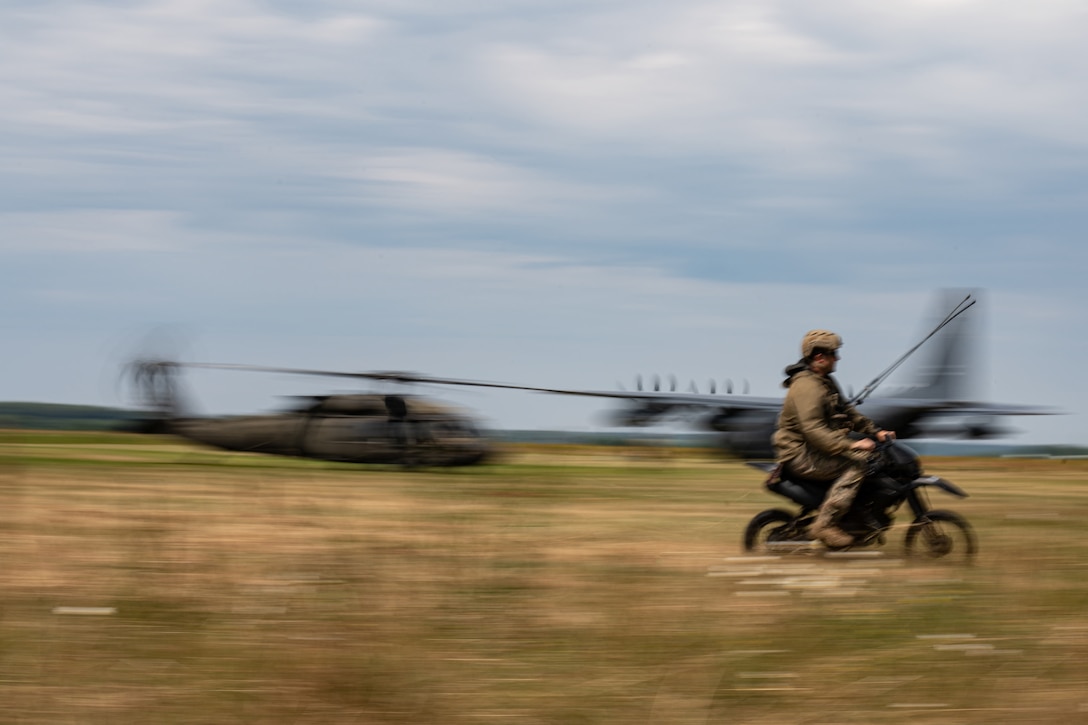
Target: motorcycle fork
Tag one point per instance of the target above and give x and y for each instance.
(919, 502)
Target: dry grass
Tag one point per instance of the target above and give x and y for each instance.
(161, 583)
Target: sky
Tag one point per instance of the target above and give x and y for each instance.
(546, 192)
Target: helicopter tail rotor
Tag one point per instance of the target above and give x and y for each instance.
(154, 386)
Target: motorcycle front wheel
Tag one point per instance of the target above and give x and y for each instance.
(941, 535)
(766, 529)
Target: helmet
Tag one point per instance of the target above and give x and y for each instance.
(819, 340)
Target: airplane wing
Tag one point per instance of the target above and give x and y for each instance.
(958, 408)
(714, 411)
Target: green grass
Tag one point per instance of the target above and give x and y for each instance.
(169, 584)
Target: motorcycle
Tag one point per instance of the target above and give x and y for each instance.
(894, 476)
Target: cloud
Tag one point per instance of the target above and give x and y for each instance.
(464, 184)
(124, 68)
(88, 231)
(800, 91)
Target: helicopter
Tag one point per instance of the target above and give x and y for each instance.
(369, 428)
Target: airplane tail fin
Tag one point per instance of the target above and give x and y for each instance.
(949, 369)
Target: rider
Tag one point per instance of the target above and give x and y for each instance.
(812, 438)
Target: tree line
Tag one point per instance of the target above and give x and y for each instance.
(57, 416)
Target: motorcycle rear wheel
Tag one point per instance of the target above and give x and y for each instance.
(941, 535)
(767, 528)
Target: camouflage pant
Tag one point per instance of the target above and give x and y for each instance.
(844, 471)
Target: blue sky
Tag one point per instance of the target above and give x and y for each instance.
(551, 193)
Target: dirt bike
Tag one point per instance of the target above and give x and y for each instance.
(894, 476)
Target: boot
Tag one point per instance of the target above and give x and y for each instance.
(832, 536)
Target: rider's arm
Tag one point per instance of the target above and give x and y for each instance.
(861, 424)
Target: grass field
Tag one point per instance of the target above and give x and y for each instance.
(147, 581)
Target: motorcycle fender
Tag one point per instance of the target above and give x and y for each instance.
(941, 483)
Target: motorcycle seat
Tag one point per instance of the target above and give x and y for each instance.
(807, 492)
(817, 483)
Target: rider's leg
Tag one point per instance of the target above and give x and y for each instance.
(836, 503)
(845, 474)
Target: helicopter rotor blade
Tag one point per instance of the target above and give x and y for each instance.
(402, 377)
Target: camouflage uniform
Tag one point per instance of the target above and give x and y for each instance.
(812, 439)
